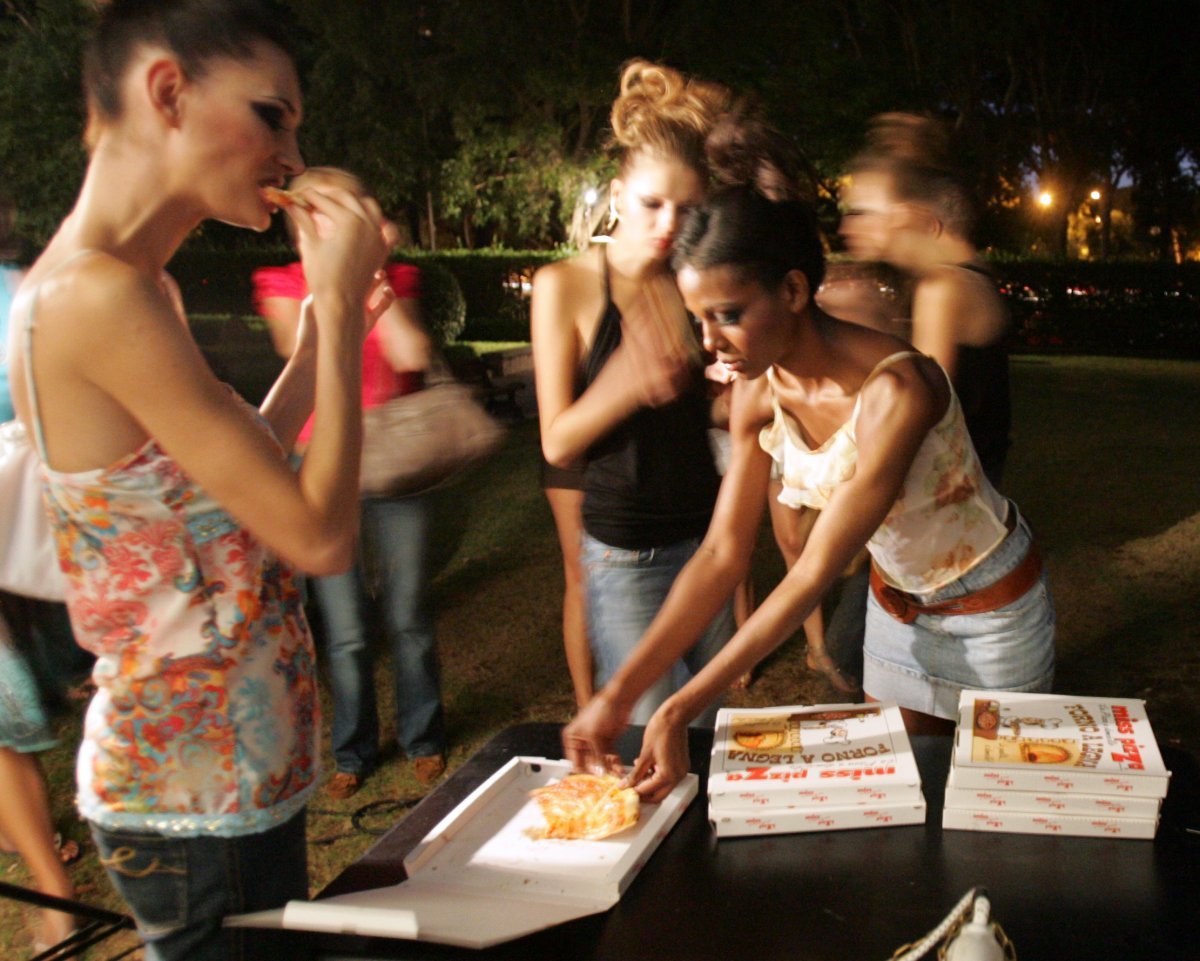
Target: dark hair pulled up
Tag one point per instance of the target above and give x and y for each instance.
(194, 31)
(759, 220)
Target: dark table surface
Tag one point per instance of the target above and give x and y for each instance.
(844, 895)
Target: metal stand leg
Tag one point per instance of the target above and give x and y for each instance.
(100, 924)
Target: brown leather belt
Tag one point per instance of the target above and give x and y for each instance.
(906, 607)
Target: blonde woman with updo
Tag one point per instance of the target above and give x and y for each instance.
(620, 383)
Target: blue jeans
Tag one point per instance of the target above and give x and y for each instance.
(625, 589)
(925, 665)
(180, 889)
(395, 534)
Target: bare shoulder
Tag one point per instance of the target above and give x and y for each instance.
(867, 345)
(568, 294)
(911, 389)
(569, 274)
(963, 301)
(750, 405)
(101, 289)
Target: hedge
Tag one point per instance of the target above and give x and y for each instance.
(1104, 308)
(489, 302)
(1091, 308)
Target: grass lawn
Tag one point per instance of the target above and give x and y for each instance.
(1105, 464)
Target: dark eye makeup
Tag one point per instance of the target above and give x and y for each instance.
(270, 114)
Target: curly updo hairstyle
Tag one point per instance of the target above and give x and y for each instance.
(759, 221)
(918, 154)
(663, 114)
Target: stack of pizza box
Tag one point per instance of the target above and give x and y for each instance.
(781, 770)
(1054, 764)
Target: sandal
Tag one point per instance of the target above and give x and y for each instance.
(823, 664)
(68, 851)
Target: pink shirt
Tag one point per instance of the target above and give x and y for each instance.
(380, 382)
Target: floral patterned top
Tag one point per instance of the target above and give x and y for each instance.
(947, 518)
(205, 716)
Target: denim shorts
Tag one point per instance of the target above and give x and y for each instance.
(926, 664)
(625, 590)
(179, 890)
(23, 723)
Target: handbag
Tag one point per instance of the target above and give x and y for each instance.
(28, 556)
(419, 441)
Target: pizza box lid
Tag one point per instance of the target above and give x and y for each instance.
(480, 877)
(1087, 745)
(838, 748)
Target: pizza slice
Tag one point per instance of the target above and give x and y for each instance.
(284, 198)
(587, 807)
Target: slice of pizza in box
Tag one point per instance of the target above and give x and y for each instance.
(826, 755)
(796, 819)
(1056, 742)
(1024, 822)
(488, 872)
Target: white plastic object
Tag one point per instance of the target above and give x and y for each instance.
(975, 940)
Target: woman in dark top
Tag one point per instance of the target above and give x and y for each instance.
(638, 420)
(907, 206)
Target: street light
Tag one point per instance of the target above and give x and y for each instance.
(1045, 198)
(1095, 195)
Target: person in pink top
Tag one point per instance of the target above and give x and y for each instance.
(394, 541)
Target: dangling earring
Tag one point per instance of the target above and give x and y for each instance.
(613, 216)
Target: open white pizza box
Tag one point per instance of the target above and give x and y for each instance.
(482, 877)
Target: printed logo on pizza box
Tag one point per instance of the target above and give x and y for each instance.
(1068, 734)
(806, 738)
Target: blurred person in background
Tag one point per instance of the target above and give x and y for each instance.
(394, 540)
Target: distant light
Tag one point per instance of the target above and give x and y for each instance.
(1045, 198)
(1095, 195)
(1099, 219)
(590, 196)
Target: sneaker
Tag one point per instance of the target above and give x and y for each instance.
(428, 769)
(343, 784)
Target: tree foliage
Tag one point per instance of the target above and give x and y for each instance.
(483, 123)
(41, 111)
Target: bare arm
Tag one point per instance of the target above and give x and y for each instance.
(406, 345)
(157, 384)
(937, 320)
(289, 403)
(702, 587)
(640, 372)
(898, 410)
(950, 311)
(282, 315)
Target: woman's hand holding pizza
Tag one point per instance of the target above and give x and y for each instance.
(588, 740)
(664, 760)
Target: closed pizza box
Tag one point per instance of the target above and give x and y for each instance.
(783, 819)
(1009, 741)
(1053, 802)
(482, 876)
(1023, 822)
(831, 755)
